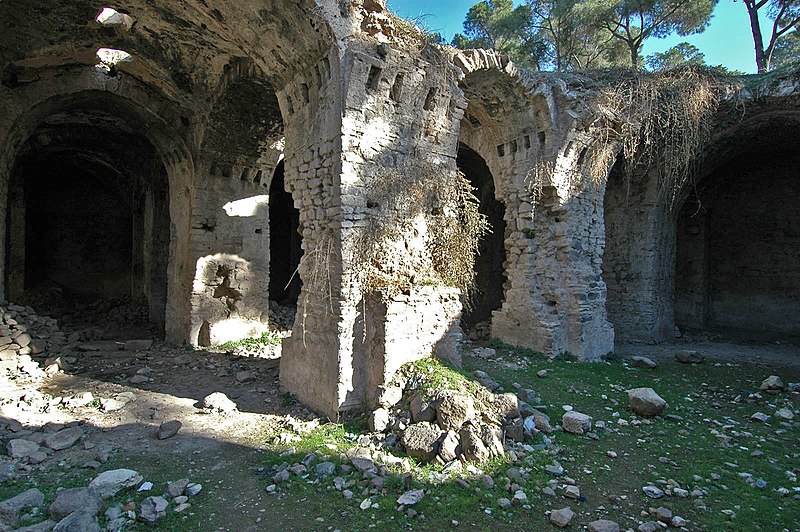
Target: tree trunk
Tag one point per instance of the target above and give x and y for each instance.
(634, 55)
(755, 26)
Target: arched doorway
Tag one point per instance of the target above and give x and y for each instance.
(490, 276)
(88, 223)
(285, 249)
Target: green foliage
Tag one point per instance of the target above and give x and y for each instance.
(267, 338)
(498, 25)
(633, 21)
(681, 55)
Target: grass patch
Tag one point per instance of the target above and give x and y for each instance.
(267, 339)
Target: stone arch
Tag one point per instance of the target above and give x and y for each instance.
(85, 99)
(737, 251)
(534, 137)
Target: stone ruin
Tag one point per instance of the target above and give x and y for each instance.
(217, 158)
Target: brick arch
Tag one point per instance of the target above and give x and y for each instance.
(145, 112)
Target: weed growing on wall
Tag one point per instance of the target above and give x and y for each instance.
(423, 228)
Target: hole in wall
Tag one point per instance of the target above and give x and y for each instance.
(285, 242)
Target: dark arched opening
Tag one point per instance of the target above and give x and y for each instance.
(88, 225)
(285, 249)
(738, 245)
(490, 275)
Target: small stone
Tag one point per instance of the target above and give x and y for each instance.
(520, 497)
(760, 416)
(576, 423)
(653, 492)
(646, 402)
(63, 439)
(325, 469)
(450, 447)
(561, 518)
(689, 357)
(772, 383)
(219, 402)
(572, 492)
(649, 526)
(664, 514)
(378, 420)
(411, 497)
(603, 525)
(642, 362)
(182, 506)
(542, 373)
(678, 522)
(139, 379)
(785, 413)
(175, 488)
(168, 429)
(193, 489)
(504, 503)
(153, 509)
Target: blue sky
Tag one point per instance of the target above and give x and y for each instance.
(727, 41)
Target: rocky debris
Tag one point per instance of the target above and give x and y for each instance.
(21, 449)
(643, 362)
(152, 509)
(576, 423)
(773, 383)
(603, 525)
(74, 499)
(562, 518)
(109, 483)
(388, 396)
(421, 409)
(646, 402)
(78, 521)
(168, 429)
(411, 497)
(218, 402)
(421, 440)
(485, 380)
(11, 509)
(63, 439)
(454, 410)
(325, 469)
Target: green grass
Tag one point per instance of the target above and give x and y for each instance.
(267, 339)
(710, 402)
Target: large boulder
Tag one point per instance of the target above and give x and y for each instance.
(646, 402)
(472, 444)
(10, 509)
(78, 521)
(63, 439)
(421, 440)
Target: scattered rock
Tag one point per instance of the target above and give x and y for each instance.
(10, 509)
(245, 376)
(454, 410)
(325, 469)
(63, 439)
(109, 483)
(561, 518)
(760, 416)
(645, 363)
(450, 447)
(153, 509)
(785, 413)
(576, 423)
(378, 420)
(19, 448)
(689, 357)
(772, 383)
(603, 525)
(218, 402)
(472, 444)
(78, 521)
(176, 487)
(421, 440)
(653, 492)
(411, 497)
(192, 489)
(74, 499)
(168, 429)
(388, 396)
(646, 402)
(421, 410)
(138, 345)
